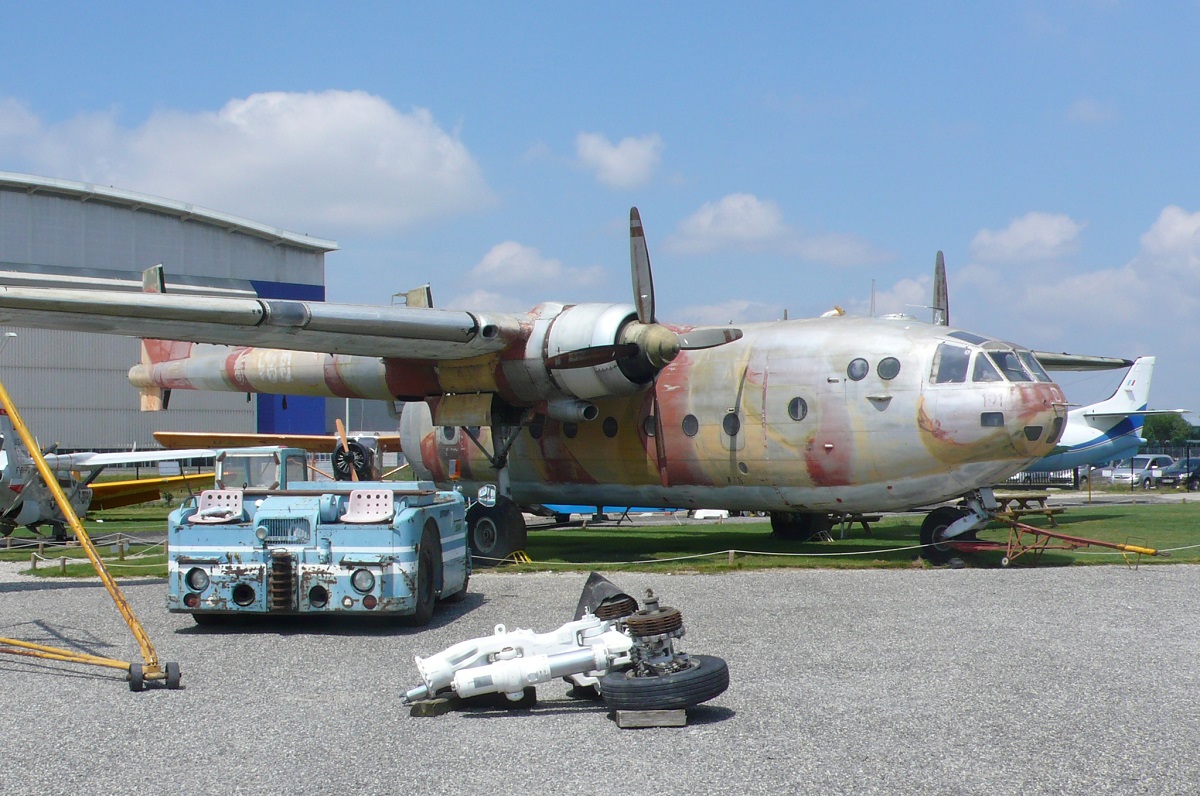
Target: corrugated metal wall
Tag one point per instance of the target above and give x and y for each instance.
(72, 388)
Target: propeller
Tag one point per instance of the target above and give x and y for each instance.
(646, 339)
(348, 465)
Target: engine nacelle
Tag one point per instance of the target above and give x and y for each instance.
(576, 328)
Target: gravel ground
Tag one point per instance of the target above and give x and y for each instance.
(1079, 680)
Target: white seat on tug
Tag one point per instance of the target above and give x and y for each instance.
(219, 505)
(370, 505)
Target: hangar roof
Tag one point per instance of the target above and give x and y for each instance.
(86, 191)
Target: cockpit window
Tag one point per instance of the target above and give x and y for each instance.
(984, 369)
(1009, 365)
(968, 337)
(950, 364)
(1035, 367)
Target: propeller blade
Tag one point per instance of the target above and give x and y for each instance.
(341, 433)
(709, 337)
(941, 297)
(591, 357)
(639, 260)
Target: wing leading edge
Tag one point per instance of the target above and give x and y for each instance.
(357, 329)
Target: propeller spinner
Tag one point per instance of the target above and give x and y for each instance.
(646, 339)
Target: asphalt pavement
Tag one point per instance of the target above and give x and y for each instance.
(1075, 680)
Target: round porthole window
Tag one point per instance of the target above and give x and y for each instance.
(858, 369)
(448, 433)
(691, 426)
(650, 425)
(610, 427)
(888, 368)
(732, 424)
(797, 409)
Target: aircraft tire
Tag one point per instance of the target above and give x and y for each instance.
(932, 528)
(495, 532)
(429, 562)
(707, 677)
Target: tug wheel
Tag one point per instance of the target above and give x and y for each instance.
(429, 564)
(936, 550)
(173, 676)
(495, 532)
(705, 677)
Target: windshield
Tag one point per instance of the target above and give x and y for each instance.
(241, 471)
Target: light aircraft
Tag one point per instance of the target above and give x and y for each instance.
(603, 404)
(25, 500)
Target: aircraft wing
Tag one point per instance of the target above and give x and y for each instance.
(357, 329)
(88, 461)
(1079, 362)
(115, 494)
(313, 443)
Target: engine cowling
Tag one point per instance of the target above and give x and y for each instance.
(559, 329)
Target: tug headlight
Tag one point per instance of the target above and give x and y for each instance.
(196, 579)
(363, 580)
(261, 533)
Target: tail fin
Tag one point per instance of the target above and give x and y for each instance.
(941, 294)
(1133, 396)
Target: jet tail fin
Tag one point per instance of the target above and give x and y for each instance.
(1132, 397)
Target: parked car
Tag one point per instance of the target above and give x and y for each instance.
(1140, 471)
(1181, 473)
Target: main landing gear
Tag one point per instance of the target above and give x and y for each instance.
(495, 532)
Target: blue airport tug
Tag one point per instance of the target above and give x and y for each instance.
(266, 540)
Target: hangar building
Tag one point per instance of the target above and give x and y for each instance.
(72, 388)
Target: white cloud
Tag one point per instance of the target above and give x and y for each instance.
(324, 162)
(627, 164)
(908, 296)
(742, 222)
(1034, 237)
(1173, 243)
(739, 220)
(732, 311)
(513, 262)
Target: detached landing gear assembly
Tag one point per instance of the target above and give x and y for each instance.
(139, 675)
(624, 653)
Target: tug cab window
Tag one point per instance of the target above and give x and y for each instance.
(950, 364)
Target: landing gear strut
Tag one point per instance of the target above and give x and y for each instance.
(497, 531)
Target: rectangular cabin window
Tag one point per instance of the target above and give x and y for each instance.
(1009, 365)
(985, 371)
(950, 364)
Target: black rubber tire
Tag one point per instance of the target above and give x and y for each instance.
(799, 526)
(495, 532)
(707, 677)
(931, 533)
(429, 564)
(137, 677)
(173, 676)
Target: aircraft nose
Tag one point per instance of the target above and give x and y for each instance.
(1042, 416)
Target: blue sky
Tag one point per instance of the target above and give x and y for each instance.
(783, 155)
